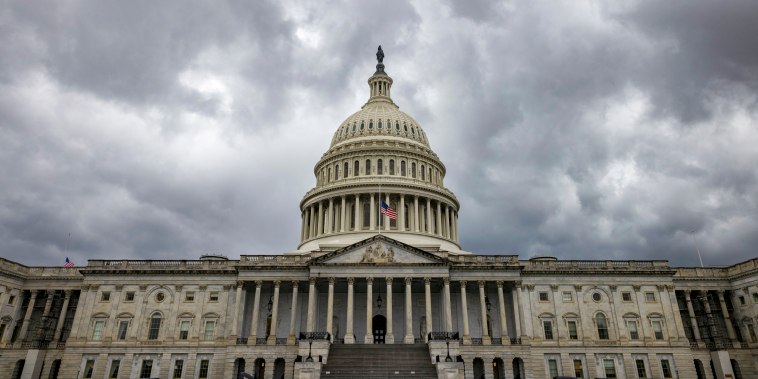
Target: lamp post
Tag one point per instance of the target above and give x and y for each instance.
(310, 346)
(447, 343)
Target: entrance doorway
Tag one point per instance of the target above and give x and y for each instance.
(379, 323)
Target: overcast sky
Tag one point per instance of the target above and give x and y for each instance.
(583, 130)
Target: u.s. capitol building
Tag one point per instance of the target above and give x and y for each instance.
(367, 295)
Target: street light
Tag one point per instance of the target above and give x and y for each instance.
(379, 301)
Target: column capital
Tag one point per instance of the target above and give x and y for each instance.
(389, 280)
(427, 280)
(295, 284)
(463, 283)
(720, 292)
(636, 287)
(350, 281)
(613, 288)
(482, 283)
(516, 283)
(408, 280)
(277, 283)
(331, 280)
(578, 287)
(240, 283)
(370, 280)
(688, 293)
(446, 280)
(499, 284)
(554, 287)
(67, 293)
(312, 281)
(259, 283)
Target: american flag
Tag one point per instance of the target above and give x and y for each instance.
(387, 211)
(68, 263)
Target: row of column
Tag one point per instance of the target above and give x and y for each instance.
(389, 337)
(325, 217)
(724, 312)
(23, 331)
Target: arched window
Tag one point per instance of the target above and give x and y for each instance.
(361, 125)
(379, 167)
(380, 124)
(406, 127)
(346, 169)
(329, 175)
(336, 171)
(413, 130)
(397, 126)
(423, 177)
(356, 168)
(155, 327)
(371, 124)
(430, 173)
(413, 170)
(368, 167)
(392, 167)
(353, 126)
(602, 326)
(402, 168)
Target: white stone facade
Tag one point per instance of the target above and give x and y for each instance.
(355, 269)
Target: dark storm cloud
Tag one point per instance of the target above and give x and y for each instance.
(582, 130)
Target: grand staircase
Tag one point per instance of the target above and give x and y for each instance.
(379, 362)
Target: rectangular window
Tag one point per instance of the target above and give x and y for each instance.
(88, 368)
(2, 330)
(11, 299)
(543, 296)
(658, 330)
(755, 297)
(213, 297)
(742, 300)
(97, 332)
(147, 369)
(189, 296)
(568, 296)
(750, 330)
(123, 326)
(105, 296)
(666, 368)
(633, 333)
(626, 296)
(572, 330)
(650, 297)
(641, 373)
(578, 369)
(602, 328)
(552, 365)
(548, 326)
(129, 296)
(178, 367)
(115, 365)
(210, 327)
(203, 369)
(155, 328)
(184, 329)
(610, 368)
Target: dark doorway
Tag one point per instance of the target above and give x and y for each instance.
(279, 368)
(518, 368)
(478, 368)
(239, 367)
(54, 369)
(379, 324)
(498, 370)
(736, 369)
(699, 370)
(260, 367)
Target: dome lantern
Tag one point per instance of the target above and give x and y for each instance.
(380, 83)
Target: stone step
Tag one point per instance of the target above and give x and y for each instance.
(379, 361)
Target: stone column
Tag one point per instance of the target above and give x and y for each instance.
(369, 338)
(274, 314)
(372, 213)
(312, 224)
(357, 222)
(408, 312)
(320, 222)
(415, 214)
(62, 316)
(439, 220)
(256, 311)
(691, 312)
(448, 311)
(343, 213)
(503, 322)
(238, 299)
(390, 336)
(330, 217)
(428, 296)
(330, 309)
(401, 215)
(428, 215)
(48, 303)
(464, 312)
(311, 304)
(302, 224)
(293, 315)
(447, 221)
(455, 226)
(727, 320)
(27, 316)
(486, 340)
(349, 334)
(517, 308)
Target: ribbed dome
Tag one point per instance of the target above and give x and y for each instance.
(379, 118)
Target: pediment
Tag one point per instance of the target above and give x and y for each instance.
(379, 250)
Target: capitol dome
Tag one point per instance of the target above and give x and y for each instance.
(378, 155)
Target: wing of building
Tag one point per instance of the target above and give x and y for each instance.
(370, 294)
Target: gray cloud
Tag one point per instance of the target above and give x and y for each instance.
(584, 131)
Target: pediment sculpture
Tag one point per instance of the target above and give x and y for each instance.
(378, 254)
